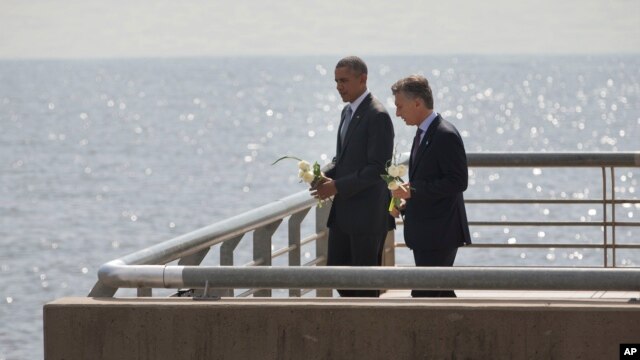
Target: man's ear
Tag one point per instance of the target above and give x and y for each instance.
(363, 79)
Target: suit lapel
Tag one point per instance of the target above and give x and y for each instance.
(424, 144)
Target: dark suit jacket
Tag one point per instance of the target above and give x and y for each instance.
(435, 216)
(360, 206)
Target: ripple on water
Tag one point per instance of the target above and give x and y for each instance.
(124, 126)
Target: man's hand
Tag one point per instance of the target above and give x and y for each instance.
(395, 212)
(323, 179)
(403, 192)
(325, 189)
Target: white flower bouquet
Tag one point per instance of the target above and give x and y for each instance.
(393, 178)
(310, 174)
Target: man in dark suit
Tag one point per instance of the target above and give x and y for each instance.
(359, 218)
(435, 222)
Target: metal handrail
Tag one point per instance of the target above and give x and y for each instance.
(203, 239)
(564, 159)
(330, 277)
(567, 159)
(191, 248)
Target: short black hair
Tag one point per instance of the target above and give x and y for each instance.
(354, 63)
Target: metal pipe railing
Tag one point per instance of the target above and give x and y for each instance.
(433, 278)
(564, 159)
(139, 269)
(204, 238)
(595, 160)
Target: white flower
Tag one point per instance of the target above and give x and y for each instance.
(304, 165)
(402, 170)
(394, 185)
(393, 171)
(308, 177)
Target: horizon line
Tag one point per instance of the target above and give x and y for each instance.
(268, 55)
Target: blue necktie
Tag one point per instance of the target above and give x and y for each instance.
(345, 123)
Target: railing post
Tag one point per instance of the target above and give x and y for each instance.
(322, 243)
(389, 251)
(226, 259)
(195, 258)
(262, 249)
(294, 242)
(604, 216)
(613, 216)
(226, 250)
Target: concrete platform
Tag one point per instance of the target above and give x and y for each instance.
(335, 328)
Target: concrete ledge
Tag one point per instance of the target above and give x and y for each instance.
(154, 328)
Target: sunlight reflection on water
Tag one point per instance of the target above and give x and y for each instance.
(103, 158)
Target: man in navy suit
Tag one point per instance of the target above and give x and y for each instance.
(435, 222)
(359, 219)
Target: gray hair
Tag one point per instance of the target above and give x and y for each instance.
(354, 63)
(415, 86)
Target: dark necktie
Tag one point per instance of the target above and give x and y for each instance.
(345, 123)
(416, 145)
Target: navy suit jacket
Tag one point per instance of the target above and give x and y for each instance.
(435, 215)
(360, 206)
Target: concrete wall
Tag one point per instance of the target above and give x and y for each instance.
(86, 328)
